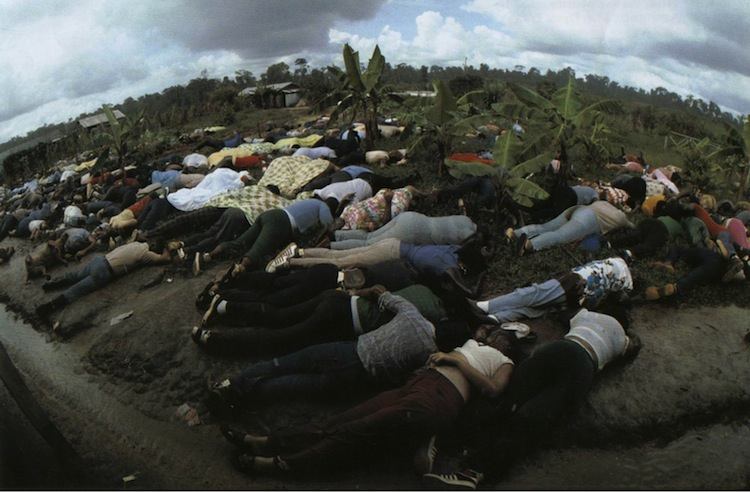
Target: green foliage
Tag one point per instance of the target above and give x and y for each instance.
(363, 92)
(120, 133)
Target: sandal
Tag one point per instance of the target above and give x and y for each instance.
(240, 439)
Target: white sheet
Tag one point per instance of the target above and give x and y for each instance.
(219, 181)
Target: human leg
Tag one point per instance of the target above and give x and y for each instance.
(358, 257)
(425, 405)
(95, 275)
(525, 302)
(330, 320)
(316, 370)
(582, 223)
(546, 387)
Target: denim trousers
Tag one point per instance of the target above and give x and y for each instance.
(532, 301)
(95, 275)
(315, 371)
(562, 230)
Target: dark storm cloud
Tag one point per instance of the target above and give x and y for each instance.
(259, 29)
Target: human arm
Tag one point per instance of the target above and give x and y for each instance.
(388, 196)
(490, 386)
(80, 254)
(373, 292)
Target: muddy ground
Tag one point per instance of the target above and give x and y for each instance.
(676, 417)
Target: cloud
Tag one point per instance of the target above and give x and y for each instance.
(679, 46)
(62, 58)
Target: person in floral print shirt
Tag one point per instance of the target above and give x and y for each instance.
(377, 211)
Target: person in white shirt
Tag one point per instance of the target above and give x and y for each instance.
(546, 387)
(351, 191)
(429, 402)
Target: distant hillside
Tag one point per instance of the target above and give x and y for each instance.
(217, 102)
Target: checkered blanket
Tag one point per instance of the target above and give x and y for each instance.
(253, 200)
(290, 173)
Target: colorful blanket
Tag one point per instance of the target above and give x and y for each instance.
(243, 150)
(253, 200)
(307, 141)
(291, 173)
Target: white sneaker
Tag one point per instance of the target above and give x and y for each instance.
(424, 459)
(282, 258)
(463, 480)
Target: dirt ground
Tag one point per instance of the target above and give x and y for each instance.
(676, 417)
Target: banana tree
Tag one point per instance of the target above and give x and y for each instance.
(513, 174)
(445, 121)
(119, 133)
(563, 119)
(364, 91)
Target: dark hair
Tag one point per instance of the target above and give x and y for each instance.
(450, 334)
(617, 310)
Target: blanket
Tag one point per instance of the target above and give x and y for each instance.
(290, 174)
(219, 181)
(243, 150)
(307, 141)
(253, 200)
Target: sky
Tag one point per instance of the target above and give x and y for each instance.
(59, 58)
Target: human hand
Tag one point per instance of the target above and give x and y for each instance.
(442, 359)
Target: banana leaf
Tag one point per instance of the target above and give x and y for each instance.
(444, 104)
(477, 98)
(525, 192)
(529, 97)
(504, 152)
(351, 62)
(566, 101)
(532, 165)
(374, 70)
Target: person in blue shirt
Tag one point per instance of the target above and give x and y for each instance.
(273, 230)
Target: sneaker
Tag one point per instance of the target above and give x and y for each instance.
(735, 270)
(281, 259)
(463, 480)
(424, 459)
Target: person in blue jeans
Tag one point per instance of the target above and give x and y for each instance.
(99, 272)
(586, 285)
(382, 356)
(600, 217)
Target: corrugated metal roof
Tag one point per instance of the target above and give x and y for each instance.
(98, 119)
(282, 86)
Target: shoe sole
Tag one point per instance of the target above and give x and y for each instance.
(424, 460)
(434, 482)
